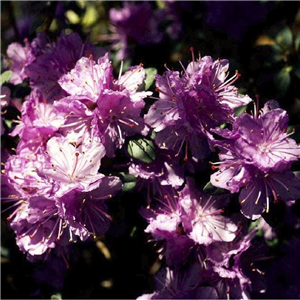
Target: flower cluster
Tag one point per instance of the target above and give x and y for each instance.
(79, 114)
(59, 191)
(191, 105)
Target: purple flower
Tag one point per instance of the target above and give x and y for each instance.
(109, 108)
(117, 117)
(42, 223)
(88, 79)
(78, 119)
(130, 82)
(129, 25)
(59, 59)
(164, 170)
(180, 284)
(20, 57)
(23, 174)
(201, 217)
(40, 121)
(178, 249)
(256, 157)
(73, 166)
(164, 218)
(37, 226)
(191, 105)
(85, 212)
(33, 219)
(190, 213)
(223, 267)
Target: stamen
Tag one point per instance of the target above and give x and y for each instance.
(166, 94)
(121, 67)
(126, 123)
(76, 163)
(186, 157)
(229, 82)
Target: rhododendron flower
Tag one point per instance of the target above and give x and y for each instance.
(117, 117)
(20, 57)
(180, 284)
(256, 157)
(88, 78)
(37, 226)
(201, 217)
(23, 174)
(58, 60)
(85, 212)
(114, 106)
(164, 170)
(227, 262)
(190, 213)
(164, 217)
(189, 106)
(130, 24)
(39, 122)
(74, 166)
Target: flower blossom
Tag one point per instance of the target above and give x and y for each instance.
(73, 166)
(20, 57)
(182, 213)
(202, 221)
(39, 122)
(189, 106)
(255, 158)
(130, 23)
(59, 59)
(101, 105)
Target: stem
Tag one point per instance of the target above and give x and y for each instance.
(51, 8)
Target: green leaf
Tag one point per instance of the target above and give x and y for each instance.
(133, 231)
(4, 252)
(153, 135)
(297, 174)
(56, 296)
(212, 190)
(9, 123)
(90, 16)
(297, 42)
(72, 17)
(150, 76)
(129, 181)
(283, 80)
(142, 149)
(161, 4)
(273, 243)
(5, 76)
(239, 110)
(284, 38)
(277, 54)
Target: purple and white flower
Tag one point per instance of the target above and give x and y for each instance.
(189, 106)
(256, 157)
